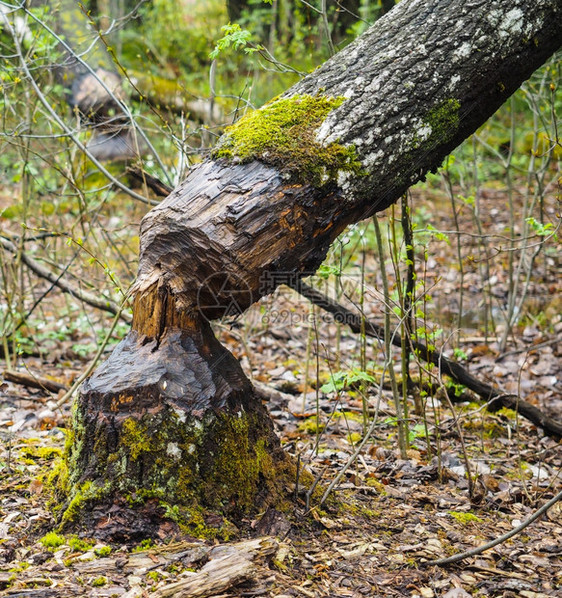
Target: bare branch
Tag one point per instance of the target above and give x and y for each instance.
(480, 549)
(97, 301)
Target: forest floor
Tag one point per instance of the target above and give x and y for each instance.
(392, 514)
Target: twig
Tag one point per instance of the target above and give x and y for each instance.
(101, 82)
(480, 549)
(90, 368)
(33, 381)
(159, 188)
(496, 399)
(55, 117)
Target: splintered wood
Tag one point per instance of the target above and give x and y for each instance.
(228, 566)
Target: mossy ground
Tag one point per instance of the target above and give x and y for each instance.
(282, 133)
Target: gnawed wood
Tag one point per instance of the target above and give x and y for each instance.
(416, 84)
(215, 239)
(228, 566)
(180, 435)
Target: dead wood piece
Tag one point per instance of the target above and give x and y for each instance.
(229, 565)
(271, 395)
(33, 381)
(186, 552)
(141, 176)
(495, 397)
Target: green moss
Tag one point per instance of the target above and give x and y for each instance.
(190, 467)
(191, 521)
(99, 581)
(311, 426)
(438, 127)
(56, 485)
(444, 120)
(465, 518)
(282, 133)
(374, 483)
(370, 513)
(42, 452)
(135, 438)
(22, 566)
(239, 464)
(103, 551)
(52, 540)
(80, 496)
(79, 545)
(144, 545)
(349, 415)
(154, 576)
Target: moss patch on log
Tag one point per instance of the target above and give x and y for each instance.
(283, 133)
(444, 120)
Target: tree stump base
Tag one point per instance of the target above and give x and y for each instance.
(168, 435)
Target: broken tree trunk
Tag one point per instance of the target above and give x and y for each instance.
(170, 425)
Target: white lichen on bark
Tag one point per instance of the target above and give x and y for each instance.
(448, 50)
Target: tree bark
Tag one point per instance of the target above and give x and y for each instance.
(171, 416)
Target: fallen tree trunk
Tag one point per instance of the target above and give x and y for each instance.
(170, 424)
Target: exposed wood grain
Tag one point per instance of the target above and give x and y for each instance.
(416, 84)
(227, 567)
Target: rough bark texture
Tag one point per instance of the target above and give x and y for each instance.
(171, 414)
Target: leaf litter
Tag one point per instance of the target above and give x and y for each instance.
(391, 514)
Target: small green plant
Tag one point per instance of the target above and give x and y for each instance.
(99, 581)
(542, 229)
(417, 431)
(103, 551)
(455, 388)
(52, 541)
(236, 38)
(459, 354)
(345, 380)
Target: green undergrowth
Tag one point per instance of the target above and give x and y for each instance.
(282, 133)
